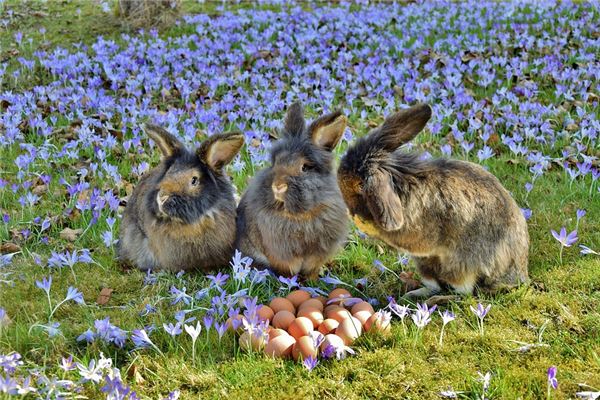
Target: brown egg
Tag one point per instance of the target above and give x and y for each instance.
(328, 326)
(340, 314)
(304, 348)
(332, 340)
(322, 299)
(281, 346)
(362, 316)
(337, 292)
(362, 306)
(252, 342)
(283, 319)
(377, 323)
(349, 330)
(265, 313)
(311, 303)
(274, 332)
(314, 315)
(298, 297)
(301, 326)
(331, 308)
(279, 304)
(230, 320)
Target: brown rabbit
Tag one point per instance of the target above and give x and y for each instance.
(461, 226)
(292, 217)
(181, 215)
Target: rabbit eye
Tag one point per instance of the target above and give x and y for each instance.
(194, 181)
(307, 167)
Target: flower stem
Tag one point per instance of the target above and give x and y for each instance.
(442, 336)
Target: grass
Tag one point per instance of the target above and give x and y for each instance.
(559, 307)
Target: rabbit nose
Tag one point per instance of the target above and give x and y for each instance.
(279, 190)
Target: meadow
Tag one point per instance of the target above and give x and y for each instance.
(514, 86)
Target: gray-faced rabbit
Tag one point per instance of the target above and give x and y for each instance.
(181, 215)
(461, 226)
(292, 218)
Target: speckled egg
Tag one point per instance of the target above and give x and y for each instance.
(311, 303)
(362, 316)
(378, 323)
(332, 340)
(304, 348)
(298, 297)
(349, 330)
(328, 326)
(274, 332)
(301, 326)
(283, 319)
(280, 304)
(362, 306)
(265, 313)
(340, 314)
(281, 346)
(314, 315)
(337, 292)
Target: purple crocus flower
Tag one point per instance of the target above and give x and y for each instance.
(566, 240)
(552, 381)
(310, 363)
(173, 330)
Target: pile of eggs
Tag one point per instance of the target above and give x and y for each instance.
(301, 326)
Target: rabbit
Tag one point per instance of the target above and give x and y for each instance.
(292, 217)
(460, 225)
(181, 215)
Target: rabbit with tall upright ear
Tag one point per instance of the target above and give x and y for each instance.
(181, 215)
(460, 225)
(292, 218)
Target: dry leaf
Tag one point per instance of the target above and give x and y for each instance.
(40, 189)
(9, 247)
(104, 296)
(70, 234)
(408, 280)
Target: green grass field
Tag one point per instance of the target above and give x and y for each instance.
(559, 309)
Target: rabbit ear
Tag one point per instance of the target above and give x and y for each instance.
(383, 201)
(327, 130)
(294, 119)
(402, 127)
(219, 150)
(167, 143)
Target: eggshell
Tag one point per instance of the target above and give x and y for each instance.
(330, 308)
(274, 332)
(281, 346)
(328, 326)
(311, 303)
(298, 297)
(362, 306)
(301, 326)
(265, 313)
(314, 315)
(304, 348)
(340, 314)
(362, 316)
(349, 330)
(229, 322)
(376, 324)
(332, 340)
(251, 342)
(283, 319)
(279, 304)
(337, 292)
